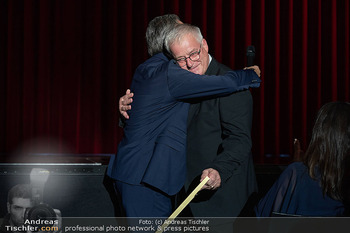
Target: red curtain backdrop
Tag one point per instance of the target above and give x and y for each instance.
(64, 64)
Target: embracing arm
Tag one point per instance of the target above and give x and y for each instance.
(183, 84)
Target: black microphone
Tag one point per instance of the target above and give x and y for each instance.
(250, 55)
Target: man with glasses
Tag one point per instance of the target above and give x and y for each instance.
(193, 57)
(150, 166)
(218, 136)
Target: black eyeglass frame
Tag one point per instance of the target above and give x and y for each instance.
(184, 59)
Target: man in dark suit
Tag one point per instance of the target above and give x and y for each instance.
(218, 142)
(226, 148)
(150, 165)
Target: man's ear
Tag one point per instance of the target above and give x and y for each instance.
(8, 207)
(205, 45)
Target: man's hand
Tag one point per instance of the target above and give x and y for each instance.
(124, 103)
(215, 179)
(255, 68)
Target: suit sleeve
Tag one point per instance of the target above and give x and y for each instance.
(183, 84)
(236, 112)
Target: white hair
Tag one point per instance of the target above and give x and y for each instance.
(178, 32)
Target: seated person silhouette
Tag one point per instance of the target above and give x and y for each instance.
(318, 184)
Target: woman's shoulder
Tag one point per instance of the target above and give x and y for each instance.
(293, 171)
(296, 166)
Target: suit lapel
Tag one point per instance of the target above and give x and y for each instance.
(213, 68)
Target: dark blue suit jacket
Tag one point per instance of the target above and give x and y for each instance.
(153, 149)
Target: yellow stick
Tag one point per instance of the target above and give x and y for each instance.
(183, 205)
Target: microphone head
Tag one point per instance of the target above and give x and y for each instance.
(251, 51)
(250, 55)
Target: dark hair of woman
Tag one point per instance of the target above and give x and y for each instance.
(327, 156)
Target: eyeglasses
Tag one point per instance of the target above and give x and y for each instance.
(193, 57)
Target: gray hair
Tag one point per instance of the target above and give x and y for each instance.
(157, 30)
(179, 31)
